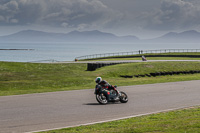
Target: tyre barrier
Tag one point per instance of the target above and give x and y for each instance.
(161, 74)
(94, 66)
(126, 76)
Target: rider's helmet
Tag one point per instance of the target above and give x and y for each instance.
(98, 80)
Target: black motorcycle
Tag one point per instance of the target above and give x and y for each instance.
(103, 95)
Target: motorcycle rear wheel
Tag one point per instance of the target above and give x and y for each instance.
(123, 97)
(101, 98)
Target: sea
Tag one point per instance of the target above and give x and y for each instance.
(58, 52)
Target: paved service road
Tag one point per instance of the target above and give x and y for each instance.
(126, 61)
(34, 112)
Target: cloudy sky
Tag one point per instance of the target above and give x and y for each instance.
(143, 18)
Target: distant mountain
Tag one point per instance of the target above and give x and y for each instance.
(74, 36)
(190, 36)
(90, 36)
(183, 37)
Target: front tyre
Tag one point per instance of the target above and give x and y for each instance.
(123, 97)
(101, 98)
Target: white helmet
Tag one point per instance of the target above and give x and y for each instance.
(98, 79)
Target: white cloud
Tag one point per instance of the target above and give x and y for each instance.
(14, 21)
(173, 15)
(2, 19)
(64, 24)
(116, 16)
(63, 13)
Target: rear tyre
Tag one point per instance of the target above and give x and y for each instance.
(101, 98)
(123, 97)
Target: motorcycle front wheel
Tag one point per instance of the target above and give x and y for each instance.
(123, 97)
(101, 98)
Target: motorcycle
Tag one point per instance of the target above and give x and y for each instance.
(104, 96)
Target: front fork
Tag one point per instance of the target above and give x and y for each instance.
(118, 92)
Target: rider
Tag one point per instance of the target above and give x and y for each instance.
(105, 84)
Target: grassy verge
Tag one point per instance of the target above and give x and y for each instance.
(26, 78)
(180, 121)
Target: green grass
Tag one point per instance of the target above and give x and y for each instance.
(23, 78)
(179, 121)
(26, 78)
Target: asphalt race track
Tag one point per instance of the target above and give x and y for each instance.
(44, 111)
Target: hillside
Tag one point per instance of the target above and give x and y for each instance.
(190, 36)
(74, 36)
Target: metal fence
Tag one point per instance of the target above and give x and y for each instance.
(135, 53)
